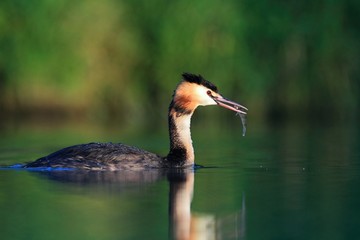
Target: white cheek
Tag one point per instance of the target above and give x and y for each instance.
(208, 101)
(203, 97)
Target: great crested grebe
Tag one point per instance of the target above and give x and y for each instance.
(191, 92)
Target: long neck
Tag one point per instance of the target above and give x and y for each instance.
(181, 149)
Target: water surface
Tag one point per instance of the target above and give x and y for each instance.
(295, 181)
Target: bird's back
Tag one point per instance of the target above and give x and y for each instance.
(99, 156)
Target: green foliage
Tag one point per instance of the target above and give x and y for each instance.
(118, 59)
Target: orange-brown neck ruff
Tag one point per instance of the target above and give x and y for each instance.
(180, 111)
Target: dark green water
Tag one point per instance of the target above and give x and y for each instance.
(279, 182)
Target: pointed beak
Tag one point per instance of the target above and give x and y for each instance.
(226, 103)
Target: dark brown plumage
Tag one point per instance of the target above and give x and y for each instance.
(100, 156)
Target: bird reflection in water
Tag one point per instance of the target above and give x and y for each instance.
(183, 224)
(187, 225)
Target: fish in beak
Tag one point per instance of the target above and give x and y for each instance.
(233, 106)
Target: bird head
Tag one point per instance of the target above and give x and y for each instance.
(194, 91)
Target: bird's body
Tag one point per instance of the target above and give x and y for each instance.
(100, 156)
(192, 91)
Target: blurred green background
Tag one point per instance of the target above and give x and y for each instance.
(120, 60)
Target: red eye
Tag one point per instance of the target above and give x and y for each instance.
(209, 93)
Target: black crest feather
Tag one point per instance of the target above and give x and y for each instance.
(198, 79)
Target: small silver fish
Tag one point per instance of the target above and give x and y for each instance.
(243, 121)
